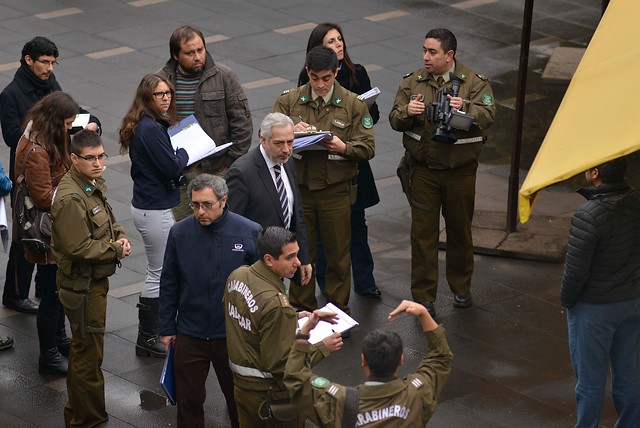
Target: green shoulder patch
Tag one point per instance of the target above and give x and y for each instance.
(487, 98)
(320, 382)
(367, 121)
(482, 76)
(407, 75)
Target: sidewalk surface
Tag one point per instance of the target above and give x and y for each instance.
(511, 366)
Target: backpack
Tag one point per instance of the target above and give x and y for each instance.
(33, 224)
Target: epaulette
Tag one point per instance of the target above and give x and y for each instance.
(359, 97)
(481, 76)
(285, 92)
(407, 75)
(417, 383)
(284, 301)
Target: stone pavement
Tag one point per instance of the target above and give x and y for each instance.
(511, 366)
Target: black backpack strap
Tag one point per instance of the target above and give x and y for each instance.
(351, 404)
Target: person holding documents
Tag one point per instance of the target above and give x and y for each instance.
(155, 169)
(263, 187)
(327, 177)
(383, 400)
(354, 78)
(202, 250)
(34, 80)
(213, 94)
(261, 324)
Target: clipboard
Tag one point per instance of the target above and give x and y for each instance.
(167, 377)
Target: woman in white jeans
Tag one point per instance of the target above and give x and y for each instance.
(155, 169)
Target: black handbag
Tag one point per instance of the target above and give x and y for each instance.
(34, 225)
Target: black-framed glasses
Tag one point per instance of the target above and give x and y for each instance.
(91, 158)
(47, 63)
(204, 205)
(161, 95)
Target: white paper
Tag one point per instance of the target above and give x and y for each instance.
(189, 135)
(81, 120)
(308, 140)
(325, 329)
(370, 96)
(4, 226)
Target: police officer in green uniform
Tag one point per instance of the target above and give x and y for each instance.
(325, 177)
(261, 325)
(442, 175)
(384, 400)
(87, 244)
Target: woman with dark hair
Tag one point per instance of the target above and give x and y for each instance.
(155, 169)
(353, 77)
(42, 157)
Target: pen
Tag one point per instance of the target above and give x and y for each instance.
(301, 119)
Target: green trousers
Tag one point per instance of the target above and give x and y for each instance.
(327, 213)
(453, 192)
(85, 382)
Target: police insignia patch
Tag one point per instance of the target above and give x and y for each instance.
(320, 382)
(337, 101)
(303, 98)
(87, 188)
(420, 77)
(367, 121)
(487, 98)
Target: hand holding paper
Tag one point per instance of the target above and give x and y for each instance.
(189, 135)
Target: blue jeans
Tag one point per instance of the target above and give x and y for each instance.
(603, 336)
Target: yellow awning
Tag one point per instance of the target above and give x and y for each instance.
(598, 119)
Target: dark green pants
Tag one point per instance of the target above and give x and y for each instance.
(85, 382)
(453, 192)
(327, 214)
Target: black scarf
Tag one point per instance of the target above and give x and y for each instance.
(45, 87)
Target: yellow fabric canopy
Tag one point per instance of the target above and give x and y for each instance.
(598, 119)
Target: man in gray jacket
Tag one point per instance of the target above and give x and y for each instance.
(213, 94)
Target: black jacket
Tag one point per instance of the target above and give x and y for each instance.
(603, 256)
(253, 194)
(197, 262)
(16, 100)
(367, 195)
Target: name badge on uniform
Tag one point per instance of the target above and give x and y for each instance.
(418, 97)
(95, 210)
(338, 123)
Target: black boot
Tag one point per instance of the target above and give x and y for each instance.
(148, 344)
(62, 340)
(50, 361)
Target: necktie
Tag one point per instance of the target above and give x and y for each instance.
(282, 194)
(440, 81)
(320, 102)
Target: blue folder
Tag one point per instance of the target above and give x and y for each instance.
(168, 379)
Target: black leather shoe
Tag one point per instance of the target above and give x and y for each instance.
(430, 307)
(462, 300)
(21, 305)
(374, 293)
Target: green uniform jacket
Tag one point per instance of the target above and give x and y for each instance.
(476, 92)
(261, 325)
(408, 402)
(84, 231)
(346, 117)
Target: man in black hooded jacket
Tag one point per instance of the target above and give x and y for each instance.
(601, 291)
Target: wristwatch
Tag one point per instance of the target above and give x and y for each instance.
(301, 335)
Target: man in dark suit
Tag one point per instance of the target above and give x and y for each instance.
(263, 188)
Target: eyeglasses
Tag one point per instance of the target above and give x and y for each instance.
(47, 63)
(204, 205)
(92, 158)
(161, 95)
